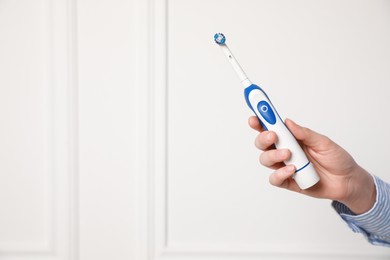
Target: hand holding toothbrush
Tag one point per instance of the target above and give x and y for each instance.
(342, 179)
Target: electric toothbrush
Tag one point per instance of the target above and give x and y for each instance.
(305, 175)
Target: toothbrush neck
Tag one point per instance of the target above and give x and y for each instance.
(246, 82)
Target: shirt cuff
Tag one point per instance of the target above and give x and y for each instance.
(374, 224)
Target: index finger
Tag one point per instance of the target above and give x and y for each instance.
(254, 123)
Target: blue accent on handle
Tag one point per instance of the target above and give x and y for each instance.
(246, 94)
(266, 112)
(307, 164)
(248, 90)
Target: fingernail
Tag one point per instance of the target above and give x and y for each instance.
(290, 168)
(282, 152)
(269, 137)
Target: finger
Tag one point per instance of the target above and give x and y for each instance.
(254, 123)
(265, 140)
(282, 177)
(277, 166)
(307, 136)
(272, 157)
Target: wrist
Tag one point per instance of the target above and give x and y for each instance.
(362, 189)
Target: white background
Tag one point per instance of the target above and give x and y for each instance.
(123, 129)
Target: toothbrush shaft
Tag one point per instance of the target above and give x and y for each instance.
(236, 66)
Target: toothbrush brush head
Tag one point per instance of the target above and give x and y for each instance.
(219, 38)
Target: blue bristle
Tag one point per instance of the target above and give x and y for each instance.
(219, 38)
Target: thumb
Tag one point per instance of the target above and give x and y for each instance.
(307, 136)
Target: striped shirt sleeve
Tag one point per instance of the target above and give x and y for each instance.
(374, 224)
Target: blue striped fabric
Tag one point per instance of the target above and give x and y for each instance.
(374, 224)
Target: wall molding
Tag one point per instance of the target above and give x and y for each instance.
(45, 246)
(61, 199)
(73, 132)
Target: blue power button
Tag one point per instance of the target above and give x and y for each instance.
(266, 112)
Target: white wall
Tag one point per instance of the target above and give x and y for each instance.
(124, 135)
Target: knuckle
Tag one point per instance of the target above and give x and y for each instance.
(273, 179)
(265, 159)
(262, 159)
(268, 158)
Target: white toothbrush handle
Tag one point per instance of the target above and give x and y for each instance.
(258, 101)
